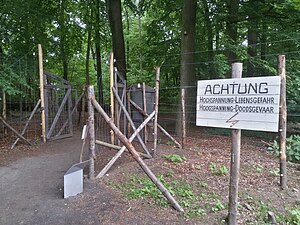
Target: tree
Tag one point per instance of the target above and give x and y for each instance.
(188, 32)
(116, 26)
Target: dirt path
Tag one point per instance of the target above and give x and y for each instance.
(32, 187)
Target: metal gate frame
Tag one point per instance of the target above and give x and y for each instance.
(66, 101)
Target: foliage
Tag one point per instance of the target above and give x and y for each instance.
(292, 148)
(294, 217)
(175, 158)
(222, 170)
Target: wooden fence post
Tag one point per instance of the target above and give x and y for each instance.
(41, 72)
(282, 122)
(237, 69)
(112, 105)
(145, 109)
(183, 119)
(91, 129)
(156, 109)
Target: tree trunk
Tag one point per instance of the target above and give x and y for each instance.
(87, 58)
(62, 43)
(252, 39)
(231, 28)
(187, 71)
(210, 53)
(115, 21)
(98, 53)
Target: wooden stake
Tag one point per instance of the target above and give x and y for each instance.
(145, 109)
(27, 123)
(4, 111)
(183, 117)
(237, 69)
(282, 122)
(156, 109)
(136, 156)
(42, 97)
(91, 128)
(116, 106)
(112, 106)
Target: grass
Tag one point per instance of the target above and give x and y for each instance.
(141, 187)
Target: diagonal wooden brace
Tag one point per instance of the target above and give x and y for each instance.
(13, 130)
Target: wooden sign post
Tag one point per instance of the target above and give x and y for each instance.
(242, 103)
(237, 69)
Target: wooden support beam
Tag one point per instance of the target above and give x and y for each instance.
(156, 109)
(91, 128)
(13, 130)
(42, 96)
(145, 109)
(27, 123)
(112, 104)
(282, 122)
(183, 119)
(130, 121)
(136, 156)
(158, 125)
(237, 69)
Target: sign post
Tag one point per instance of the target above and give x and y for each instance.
(238, 103)
(237, 69)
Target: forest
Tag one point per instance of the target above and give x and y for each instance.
(190, 40)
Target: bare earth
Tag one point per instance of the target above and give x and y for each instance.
(31, 182)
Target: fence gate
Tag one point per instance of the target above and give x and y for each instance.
(58, 104)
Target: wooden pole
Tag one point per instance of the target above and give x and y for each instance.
(145, 109)
(136, 156)
(91, 128)
(156, 109)
(159, 126)
(27, 123)
(129, 112)
(116, 105)
(131, 122)
(4, 109)
(237, 69)
(282, 122)
(112, 106)
(42, 97)
(183, 120)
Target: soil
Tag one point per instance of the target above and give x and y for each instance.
(31, 180)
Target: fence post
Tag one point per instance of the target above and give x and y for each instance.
(112, 105)
(237, 69)
(156, 108)
(282, 122)
(183, 119)
(41, 72)
(91, 128)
